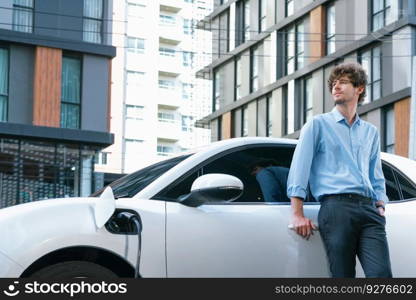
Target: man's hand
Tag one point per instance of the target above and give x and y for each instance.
(303, 226)
(380, 206)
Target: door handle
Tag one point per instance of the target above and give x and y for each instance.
(292, 227)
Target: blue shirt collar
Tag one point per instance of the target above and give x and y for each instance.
(339, 117)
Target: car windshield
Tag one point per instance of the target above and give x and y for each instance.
(129, 185)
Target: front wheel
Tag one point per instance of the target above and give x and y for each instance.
(74, 269)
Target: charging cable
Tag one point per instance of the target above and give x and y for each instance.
(137, 222)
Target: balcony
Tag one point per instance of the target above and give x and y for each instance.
(169, 130)
(171, 5)
(170, 63)
(170, 31)
(169, 98)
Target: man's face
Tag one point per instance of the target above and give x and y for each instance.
(343, 91)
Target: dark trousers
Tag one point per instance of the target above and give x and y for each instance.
(352, 226)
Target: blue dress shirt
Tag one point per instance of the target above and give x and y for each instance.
(272, 181)
(337, 158)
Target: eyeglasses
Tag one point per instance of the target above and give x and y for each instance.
(341, 81)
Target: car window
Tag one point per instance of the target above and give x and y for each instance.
(407, 188)
(129, 185)
(239, 164)
(392, 189)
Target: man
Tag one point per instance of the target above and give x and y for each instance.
(339, 155)
(272, 180)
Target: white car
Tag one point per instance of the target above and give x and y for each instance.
(202, 215)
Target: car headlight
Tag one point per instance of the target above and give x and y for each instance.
(8, 267)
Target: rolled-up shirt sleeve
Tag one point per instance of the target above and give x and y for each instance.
(376, 173)
(300, 168)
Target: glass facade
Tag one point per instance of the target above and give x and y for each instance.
(36, 170)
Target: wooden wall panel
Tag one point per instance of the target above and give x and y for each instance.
(226, 126)
(47, 87)
(402, 127)
(317, 18)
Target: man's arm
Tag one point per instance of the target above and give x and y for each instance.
(376, 175)
(298, 179)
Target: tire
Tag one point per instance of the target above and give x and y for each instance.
(74, 269)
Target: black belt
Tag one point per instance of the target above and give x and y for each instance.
(347, 196)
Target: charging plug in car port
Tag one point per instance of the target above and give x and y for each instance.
(127, 222)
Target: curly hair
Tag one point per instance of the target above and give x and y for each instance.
(355, 73)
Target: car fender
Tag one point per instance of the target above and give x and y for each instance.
(32, 230)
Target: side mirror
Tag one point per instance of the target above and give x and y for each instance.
(213, 188)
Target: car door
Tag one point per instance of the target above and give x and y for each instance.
(245, 238)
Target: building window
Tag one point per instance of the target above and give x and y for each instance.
(238, 78)
(93, 19)
(254, 70)
(166, 84)
(71, 92)
(167, 20)
(381, 13)
(217, 89)
(4, 83)
(269, 123)
(295, 48)
(133, 149)
(166, 117)
(187, 90)
(135, 112)
(223, 33)
(246, 20)
(134, 78)
(289, 108)
(135, 45)
(289, 7)
(262, 15)
(134, 117)
(163, 150)
(187, 123)
(101, 158)
(188, 59)
(244, 121)
(389, 129)
(371, 62)
(308, 100)
(135, 11)
(23, 15)
(242, 22)
(330, 29)
(167, 51)
(188, 26)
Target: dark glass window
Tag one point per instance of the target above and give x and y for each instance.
(238, 164)
(392, 190)
(71, 92)
(131, 184)
(4, 83)
(371, 62)
(23, 15)
(93, 19)
(408, 189)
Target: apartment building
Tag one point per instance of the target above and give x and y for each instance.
(156, 95)
(273, 59)
(55, 59)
